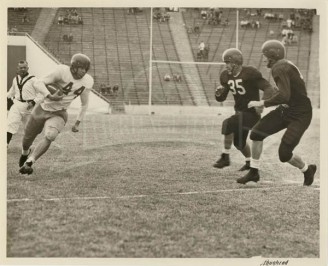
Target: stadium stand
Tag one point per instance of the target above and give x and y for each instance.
(118, 43)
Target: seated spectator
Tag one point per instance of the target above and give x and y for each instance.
(60, 19)
(13, 30)
(65, 38)
(103, 89)
(281, 17)
(167, 77)
(25, 18)
(203, 14)
(197, 29)
(289, 23)
(70, 37)
(284, 32)
(108, 90)
(244, 23)
(271, 33)
(177, 77)
(80, 20)
(258, 25)
(115, 89)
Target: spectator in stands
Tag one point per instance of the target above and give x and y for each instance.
(271, 33)
(60, 19)
(201, 48)
(203, 14)
(244, 23)
(70, 37)
(80, 20)
(115, 89)
(289, 23)
(167, 77)
(284, 32)
(197, 29)
(13, 30)
(25, 18)
(65, 38)
(103, 89)
(177, 77)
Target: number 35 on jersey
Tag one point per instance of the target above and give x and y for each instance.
(236, 86)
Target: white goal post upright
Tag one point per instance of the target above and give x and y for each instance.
(150, 61)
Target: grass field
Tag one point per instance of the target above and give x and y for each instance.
(144, 186)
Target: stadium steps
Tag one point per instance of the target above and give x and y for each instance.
(43, 24)
(182, 45)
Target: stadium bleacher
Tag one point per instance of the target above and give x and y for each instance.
(118, 44)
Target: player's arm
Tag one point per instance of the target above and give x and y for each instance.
(222, 90)
(282, 95)
(221, 93)
(84, 106)
(40, 85)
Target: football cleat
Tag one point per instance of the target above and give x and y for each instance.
(223, 161)
(252, 175)
(309, 175)
(246, 166)
(23, 158)
(26, 169)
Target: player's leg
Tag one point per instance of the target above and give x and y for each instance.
(268, 125)
(33, 127)
(53, 126)
(13, 121)
(226, 131)
(290, 140)
(246, 121)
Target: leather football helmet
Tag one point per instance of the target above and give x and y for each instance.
(273, 50)
(79, 61)
(233, 55)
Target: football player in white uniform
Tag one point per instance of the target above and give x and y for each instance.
(25, 97)
(51, 115)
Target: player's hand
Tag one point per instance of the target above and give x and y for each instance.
(30, 106)
(57, 96)
(259, 110)
(255, 104)
(75, 128)
(219, 90)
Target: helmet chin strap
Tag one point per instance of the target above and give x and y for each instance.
(236, 70)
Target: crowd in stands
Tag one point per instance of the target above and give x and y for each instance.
(68, 38)
(176, 77)
(213, 16)
(161, 15)
(134, 10)
(107, 90)
(71, 17)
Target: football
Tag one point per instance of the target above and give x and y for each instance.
(54, 87)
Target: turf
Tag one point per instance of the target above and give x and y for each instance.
(144, 186)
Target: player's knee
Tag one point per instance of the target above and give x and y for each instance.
(257, 136)
(224, 129)
(51, 134)
(285, 152)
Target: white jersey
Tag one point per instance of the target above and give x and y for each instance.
(23, 90)
(72, 88)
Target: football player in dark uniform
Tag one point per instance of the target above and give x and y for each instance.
(244, 82)
(294, 114)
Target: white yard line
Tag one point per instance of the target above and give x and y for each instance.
(248, 188)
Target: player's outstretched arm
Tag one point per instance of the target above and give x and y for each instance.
(84, 106)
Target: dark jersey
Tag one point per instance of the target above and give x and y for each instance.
(244, 87)
(290, 87)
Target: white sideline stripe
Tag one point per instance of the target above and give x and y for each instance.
(248, 188)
